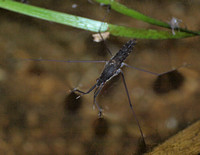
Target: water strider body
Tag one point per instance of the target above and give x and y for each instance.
(111, 69)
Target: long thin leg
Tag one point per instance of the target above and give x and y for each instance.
(129, 100)
(96, 93)
(69, 61)
(158, 74)
(84, 93)
(140, 69)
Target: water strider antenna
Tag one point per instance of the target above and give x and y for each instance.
(106, 15)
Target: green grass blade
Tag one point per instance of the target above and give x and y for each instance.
(137, 15)
(49, 15)
(132, 13)
(88, 24)
(145, 34)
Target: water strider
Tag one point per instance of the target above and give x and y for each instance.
(112, 68)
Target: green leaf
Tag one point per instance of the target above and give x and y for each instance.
(145, 34)
(132, 13)
(137, 15)
(53, 16)
(89, 24)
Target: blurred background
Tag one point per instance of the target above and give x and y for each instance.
(40, 115)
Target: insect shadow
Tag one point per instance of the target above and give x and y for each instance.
(71, 103)
(101, 127)
(165, 83)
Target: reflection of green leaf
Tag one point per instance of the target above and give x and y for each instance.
(89, 24)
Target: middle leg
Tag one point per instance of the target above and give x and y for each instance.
(96, 93)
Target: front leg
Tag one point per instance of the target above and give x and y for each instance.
(83, 93)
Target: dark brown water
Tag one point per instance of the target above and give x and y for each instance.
(37, 115)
